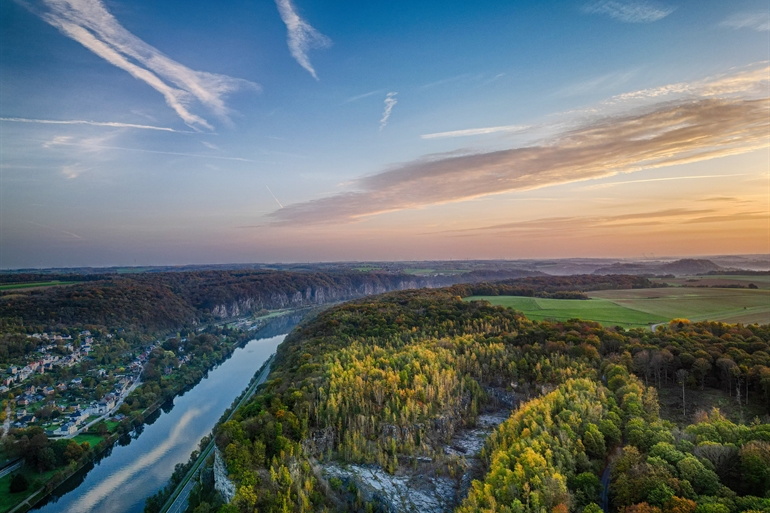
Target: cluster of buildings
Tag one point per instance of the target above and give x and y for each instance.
(47, 361)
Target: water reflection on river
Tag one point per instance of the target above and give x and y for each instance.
(138, 466)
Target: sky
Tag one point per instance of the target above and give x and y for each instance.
(184, 132)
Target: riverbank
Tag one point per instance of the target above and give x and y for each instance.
(128, 429)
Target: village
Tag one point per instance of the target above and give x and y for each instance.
(69, 384)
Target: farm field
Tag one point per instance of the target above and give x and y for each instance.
(603, 311)
(697, 304)
(420, 272)
(12, 286)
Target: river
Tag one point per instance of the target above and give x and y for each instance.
(139, 464)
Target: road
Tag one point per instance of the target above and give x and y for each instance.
(10, 468)
(177, 503)
(119, 402)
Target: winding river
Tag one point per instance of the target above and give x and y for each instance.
(141, 463)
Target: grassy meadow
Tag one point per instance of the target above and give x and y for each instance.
(642, 307)
(697, 304)
(603, 311)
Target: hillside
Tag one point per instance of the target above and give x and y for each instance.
(383, 404)
(149, 302)
(687, 266)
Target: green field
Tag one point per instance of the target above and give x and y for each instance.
(643, 307)
(697, 304)
(600, 310)
(9, 500)
(436, 271)
(12, 286)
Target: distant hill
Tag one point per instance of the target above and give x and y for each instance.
(690, 266)
(149, 302)
(685, 266)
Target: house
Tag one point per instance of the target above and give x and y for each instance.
(49, 390)
(78, 417)
(22, 401)
(111, 400)
(61, 387)
(78, 382)
(68, 428)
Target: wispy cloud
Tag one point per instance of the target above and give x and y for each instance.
(111, 124)
(629, 11)
(301, 36)
(664, 179)
(361, 96)
(94, 144)
(752, 80)
(475, 131)
(90, 23)
(65, 232)
(597, 84)
(661, 135)
(569, 224)
(446, 81)
(759, 21)
(579, 226)
(390, 102)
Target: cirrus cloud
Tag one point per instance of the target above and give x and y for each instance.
(90, 23)
(301, 35)
(629, 12)
(689, 129)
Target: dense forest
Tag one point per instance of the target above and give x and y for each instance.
(152, 302)
(387, 381)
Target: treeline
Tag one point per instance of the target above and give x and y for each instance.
(8, 278)
(152, 302)
(385, 380)
(556, 287)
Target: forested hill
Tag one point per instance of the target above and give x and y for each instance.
(381, 391)
(149, 302)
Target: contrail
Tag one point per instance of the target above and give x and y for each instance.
(114, 124)
(273, 195)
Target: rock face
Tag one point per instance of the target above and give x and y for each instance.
(311, 289)
(409, 492)
(311, 296)
(222, 483)
(320, 441)
(421, 484)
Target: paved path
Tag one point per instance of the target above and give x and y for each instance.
(10, 468)
(177, 503)
(119, 402)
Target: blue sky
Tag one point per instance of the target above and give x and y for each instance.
(191, 132)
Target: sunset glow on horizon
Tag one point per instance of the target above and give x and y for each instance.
(166, 133)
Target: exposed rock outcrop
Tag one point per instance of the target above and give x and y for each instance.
(222, 482)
